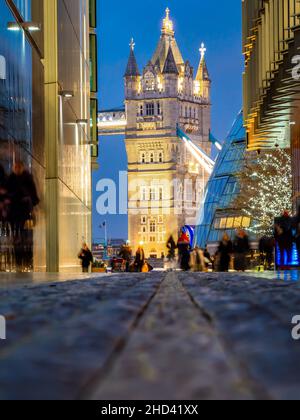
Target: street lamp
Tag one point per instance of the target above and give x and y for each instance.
(82, 122)
(27, 26)
(67, 94)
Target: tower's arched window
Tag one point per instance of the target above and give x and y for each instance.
(160, 157)
(158, 108)
(152, 226)
(151, 157)
(149, 81)
(143, 157)
(150, 109)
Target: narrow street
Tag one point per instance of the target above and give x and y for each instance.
(157, 336)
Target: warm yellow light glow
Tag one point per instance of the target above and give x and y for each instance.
(197, 87)
(159, 83)
(168, 27)
(180, 84)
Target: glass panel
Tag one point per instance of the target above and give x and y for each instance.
(93, 63)
(22, 129)
(93, 13)
(94, 120)
(230, 222)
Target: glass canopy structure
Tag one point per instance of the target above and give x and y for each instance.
(217, 215)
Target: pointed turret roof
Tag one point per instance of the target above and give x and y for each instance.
(167, 38)
(132, 69)
(170, 66)
(202, 73)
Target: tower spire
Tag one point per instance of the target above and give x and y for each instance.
(202, 73)
(168, 26)
(202, 51)
(170, 66)
(132, 69)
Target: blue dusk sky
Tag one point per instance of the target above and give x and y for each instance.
(218, 24)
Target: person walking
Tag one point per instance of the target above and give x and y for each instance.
(171, 246)
(207, 258)
(241, 249)
(126, 254)
(198, 262)
(223, 255)
(23, 199)
(184, 252)
(86, 258)
(266, 249)
(139, 261)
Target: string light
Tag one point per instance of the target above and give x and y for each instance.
(266, 189)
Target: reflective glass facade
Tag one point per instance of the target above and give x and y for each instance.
(43, 128)
(217, 215)
(22, 108)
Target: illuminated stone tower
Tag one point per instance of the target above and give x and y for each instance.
(166, 181)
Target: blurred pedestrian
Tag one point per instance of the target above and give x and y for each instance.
(223, 255)
(139, 261)
(23, 199)
(284, 237)
(197, 260)
(266, 249)
(207, 257)
(241, 249)
(86, 258)
(184, 252)
(171, 245)
(126, 254)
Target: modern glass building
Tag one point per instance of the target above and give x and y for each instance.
(271, 40)
(48, 117)
(217, 214)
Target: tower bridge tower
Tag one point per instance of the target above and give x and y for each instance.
(166, 182)
(166, 179)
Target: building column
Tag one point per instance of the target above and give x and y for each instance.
(51, 134)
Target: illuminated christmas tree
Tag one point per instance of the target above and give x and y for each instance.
(265, 189)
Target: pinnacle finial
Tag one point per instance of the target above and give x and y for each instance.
(168, 27)
(132, 44)
(202, 50)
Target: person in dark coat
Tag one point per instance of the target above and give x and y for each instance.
(126, 255)
(23, 198)
(86, 258)
(140, 260)
(241, 248)
(284, 237)
(184, 252)
(224, 254)
(22, 194)
(266, 249)
(171, 245)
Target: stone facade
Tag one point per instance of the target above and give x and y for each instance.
(166, 182)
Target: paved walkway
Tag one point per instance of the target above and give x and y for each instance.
(155, 336)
